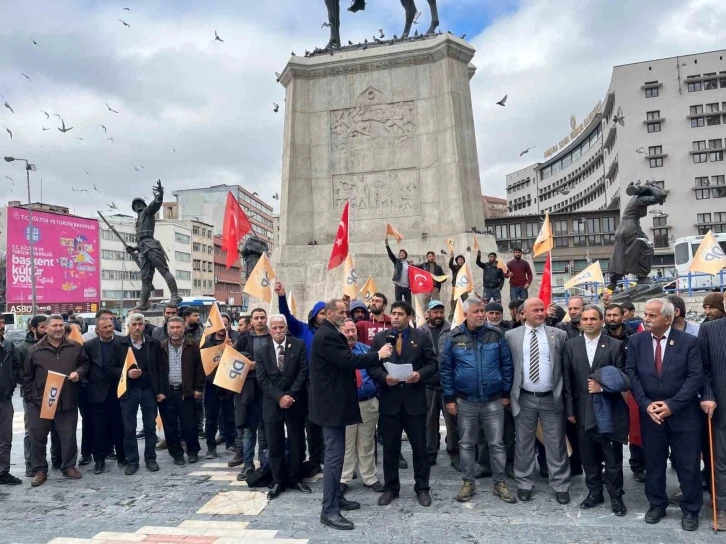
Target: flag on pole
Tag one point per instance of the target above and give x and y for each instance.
(592, 274)
(503, 267)
(464, 281)
(214, 322)
(420, 280)
(128, 363)
(75, 335)
(709, 258)
(233, 370)
(258, 284)
(458, 314)
(350, 278)
(211, 357)
(450, 243)
(475, 244)
(544, 241)
(159, 424)
(545, 288)
(235, 226)
(292, 303)
(392, 231)
(53, 386)
(369, 289)
(340, 246)
(420, 314)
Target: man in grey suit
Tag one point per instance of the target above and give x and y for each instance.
(537, 353)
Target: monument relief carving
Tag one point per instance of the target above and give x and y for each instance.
(376, 195)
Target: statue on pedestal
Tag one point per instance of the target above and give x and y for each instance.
(251, 252)
(633, 251)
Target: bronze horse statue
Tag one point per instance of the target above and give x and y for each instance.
(358, 5)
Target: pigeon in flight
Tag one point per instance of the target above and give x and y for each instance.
(26, 76)
(275, 107)
(7, 105)
(174, 150)
(79, 139)
(640, 150)
(95, 188)
(462, 37)
(34, 42)
(619, 118)
(64, 129)
(11, 180)
(277, 76)
(503, 101)
(127, 9)
(382, 34)
(86, 171)
(113, 206)
(44, 127)
(103, 127)
(79, 190)
(527, 150)
(325, 24)
(110, 109)
(9, 132)
(47, 116)
(276, 196)
(377, 40)
(56, 115)
(217, 38)
(125, 23)
(136, 169)
(110, 139)
(443, 251)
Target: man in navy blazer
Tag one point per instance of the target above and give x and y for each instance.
(665, 369)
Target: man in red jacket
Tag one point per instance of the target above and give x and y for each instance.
(520, 276)
(379, 321)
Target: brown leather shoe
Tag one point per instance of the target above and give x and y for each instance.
(73, 473)
(39, 479)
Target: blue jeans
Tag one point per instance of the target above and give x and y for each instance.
(130, 404)
(518, 293)
(490, 417)
(249, 438)
(491, 295)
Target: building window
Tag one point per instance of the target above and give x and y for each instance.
(694, 87)
(710, 84)
(715, 156)
(712, 120)
(699, 145)
(703, 182)
(655, 150)
(656, 163)
(183, 275)
(560, 227)
(718, 192)
(654, 127)
(181, 238)
(715, 144)
(718, 180)
(697, 122)
(651, 93)
(650, 115)
(579, 241)
(703, 194)
(660, 237)
(182, 257)
(532, 230)
(562, 241)
(500, 232)
(608, 224)
(696, 110)
(712, 108)
(660, 221)
(515, 231)
(703, 218)
(699, 158)
(593, 225)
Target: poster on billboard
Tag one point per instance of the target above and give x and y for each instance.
(67, 258)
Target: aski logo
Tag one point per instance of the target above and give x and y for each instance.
(218, 357)
(52, 396)
(235, 369)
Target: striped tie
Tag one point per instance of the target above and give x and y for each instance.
(534, 357)
(281, 359)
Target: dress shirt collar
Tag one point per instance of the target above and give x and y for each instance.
(593, 341)
(666, 334)
(528, 329)
(277, 346)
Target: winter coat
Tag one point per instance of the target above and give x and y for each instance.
(493, 275)
(298, 329)
(10, 373)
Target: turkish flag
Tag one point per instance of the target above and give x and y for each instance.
(545, 287)
(340, 246)
(420, 280)
(236, 225)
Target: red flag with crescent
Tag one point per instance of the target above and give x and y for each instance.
(340, 246)
(235, 226)
(420, 280)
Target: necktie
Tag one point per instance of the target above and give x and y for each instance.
(534, 357)
(658, 354)
(281, 358)
(358, 378)
(399, 344)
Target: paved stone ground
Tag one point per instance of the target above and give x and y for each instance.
(203, 504)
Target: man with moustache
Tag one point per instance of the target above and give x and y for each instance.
(160, 333)
(218, 403)
(713, 306)
(379, 321)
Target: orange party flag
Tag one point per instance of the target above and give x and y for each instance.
(475, 244)
(159, 424)
(544, 242)
(211, 357)
(214, 322)
(75, 335)
(292, 303)
(232, 371)
(53, 387)
(369, 289)
(709, 258)
(128, 363)
(258, 284)
(350, 278)
(450, 243)
(392, 231)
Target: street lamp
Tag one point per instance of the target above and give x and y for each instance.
(29, 168)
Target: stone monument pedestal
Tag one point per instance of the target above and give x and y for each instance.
(391, 129)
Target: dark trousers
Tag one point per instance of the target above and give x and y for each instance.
(315, 442)
(333, 468)
(686, 449)
(637, 458)
(215, 406)
(199, 414)
(597, 451)
(402, 293)
(6, 434)
(706, 451)
(415, 427)
(84, 407)
(177, 412)
(435, 404)
(130, 404)
(293, 419)
(65, 424)
(55, 450)
(108, 427)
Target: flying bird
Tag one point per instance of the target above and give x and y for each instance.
(276, 196)
(9, 132)
(11, 180)
(382, 34)
(56, 115)
(277, 77)
(640, 150)
(136, 169)
(34, 42)
(7, 105)
(80, 139)
(217, 38)
(503, 101)
(95, 188)
(46, 114)
(64, 129)
(325, 24)
(110, 109)
(110, 139)
(174, 150)
(86, 171)
(619, 118)
(443, 251)
(275, 107)
(103, 127)
(112, 206)
(527, 150)
(462, 37)
(125, 23)
(79, 190)
(44, 127)
(26, 76)
(127, 9)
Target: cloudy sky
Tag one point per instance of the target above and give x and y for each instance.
(196, 112)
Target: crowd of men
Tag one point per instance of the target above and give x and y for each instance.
(559, 391)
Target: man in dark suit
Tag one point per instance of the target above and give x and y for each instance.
(712, 344)
(282, 372)
(584, 358)
(333, 403)
(102, 381)
(666, 372)
(402, 406)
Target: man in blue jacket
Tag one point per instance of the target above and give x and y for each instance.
(305, 332)
(476, 374)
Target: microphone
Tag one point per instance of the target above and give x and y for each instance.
(391, 339)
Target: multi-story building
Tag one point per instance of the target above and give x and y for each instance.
(227, 281)
(208, 205)
(494, 207)
(176, 239)
(202, 258)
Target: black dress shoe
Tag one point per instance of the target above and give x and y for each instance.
(131, 469)
(524, 495)
(654, 515)
(562, 497)
(152, 465)
(337, 522)
(402, 463)
(302, 488)
(179, 461)
(432, 461)
(591, 501)
(193, 457)
(424, 499)
(347, 505)
(377, 487)
(618, 506)
(85, 460)
(99, 467)
(386, 498)
(639, 476)
(689, 522)
(275, 492)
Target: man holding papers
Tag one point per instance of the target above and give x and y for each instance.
(403, 400)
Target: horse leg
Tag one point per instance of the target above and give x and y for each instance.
(434, 17)
(334, 20)
(410, 7)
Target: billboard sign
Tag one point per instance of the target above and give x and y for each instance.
(67, 258)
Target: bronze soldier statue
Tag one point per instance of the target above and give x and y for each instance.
(251, 252)
(151, 255)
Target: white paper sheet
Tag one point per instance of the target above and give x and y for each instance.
(400, 372)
